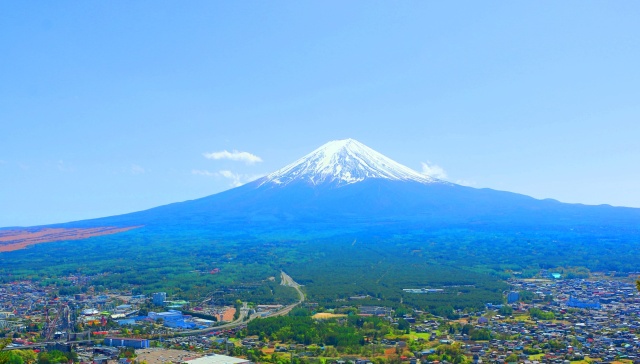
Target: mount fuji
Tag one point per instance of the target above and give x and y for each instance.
(345, 187)
(342, 162)
(344, 220)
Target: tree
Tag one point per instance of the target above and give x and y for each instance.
(467, 329)
(54, 356)
(403, 325)
(11, 357)
(482, 334)
(537, 313)
(15, 356)
(4, 343)
(506, 310)
(513, 358)
(238, 306)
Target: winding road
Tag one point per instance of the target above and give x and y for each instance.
(286, 280)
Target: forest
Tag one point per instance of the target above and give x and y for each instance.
(348, 333)
(469, 266)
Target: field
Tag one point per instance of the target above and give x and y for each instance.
(161, 355)
(326, 315)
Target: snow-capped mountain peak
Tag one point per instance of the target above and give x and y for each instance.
(344, 162)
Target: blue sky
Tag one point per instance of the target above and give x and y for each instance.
(110, 107)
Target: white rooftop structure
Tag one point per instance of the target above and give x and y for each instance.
(218, 359)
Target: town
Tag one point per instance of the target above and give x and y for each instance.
(546, 319)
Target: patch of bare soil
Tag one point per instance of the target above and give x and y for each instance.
(16, 239)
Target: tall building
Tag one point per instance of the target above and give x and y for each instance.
(159, 298)
(513, 297)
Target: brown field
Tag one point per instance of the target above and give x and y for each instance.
(228, 314)
(326, 315)
(391, 352)
(16, 239)
(160, 356)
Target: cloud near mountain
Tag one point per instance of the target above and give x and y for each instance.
(234, 155)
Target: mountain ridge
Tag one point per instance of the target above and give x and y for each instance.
(378, 195)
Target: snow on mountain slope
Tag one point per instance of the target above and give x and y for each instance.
(343, 162)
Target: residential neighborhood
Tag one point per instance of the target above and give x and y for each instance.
(541, 320)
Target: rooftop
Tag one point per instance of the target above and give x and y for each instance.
(217, 359)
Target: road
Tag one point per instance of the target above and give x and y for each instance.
(286, 280)
(235, 323)
(43, 344)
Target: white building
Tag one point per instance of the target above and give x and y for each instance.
(218, 359)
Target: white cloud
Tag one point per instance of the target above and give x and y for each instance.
(238, 179)
(433, 170)
(229, 174)
(136, 169)
(234, 155)
(464, 182)
(235, 179)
